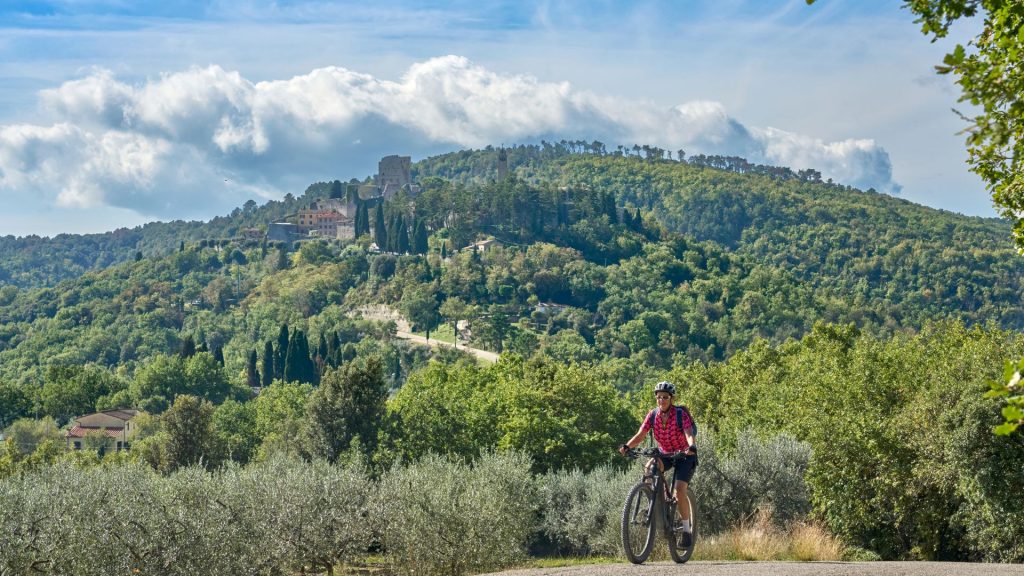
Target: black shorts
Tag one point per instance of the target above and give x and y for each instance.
(684, 468)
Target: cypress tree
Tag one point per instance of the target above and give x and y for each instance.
(609, 208)
(363, 216)
(252, 374)
(334, 344)
(307, 368)
(298, 366)
(292, 365)
(281, 351)
(393, 226)
(403, 237)
(419, 244)
(322, 347)
(188, 347)
(283, 262)
(218, 355)
(380, 232)
(321, 355)
(268, 363)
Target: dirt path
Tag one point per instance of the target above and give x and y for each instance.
(779, 569)
(384, 314)
(481, 354)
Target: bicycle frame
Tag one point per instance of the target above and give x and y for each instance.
(640, 512)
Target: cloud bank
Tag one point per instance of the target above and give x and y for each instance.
(209, 137)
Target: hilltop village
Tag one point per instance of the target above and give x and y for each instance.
(337, 217)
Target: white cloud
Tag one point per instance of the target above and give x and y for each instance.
(164, 146)
(859, 163)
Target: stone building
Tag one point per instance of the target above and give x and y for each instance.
(394, 172)
(282, 232)
(112, 427)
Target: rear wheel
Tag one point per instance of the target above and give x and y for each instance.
(638, 523)
(675, 538)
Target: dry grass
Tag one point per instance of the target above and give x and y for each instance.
(813, 542)
(760, 539)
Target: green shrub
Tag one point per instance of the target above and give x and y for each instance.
(445, 517)
(581, 510)
(276, 517)
(758, 475)
(318, 514)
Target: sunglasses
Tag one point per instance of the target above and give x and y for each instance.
(662, 396)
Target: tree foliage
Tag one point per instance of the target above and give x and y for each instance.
(346, 410)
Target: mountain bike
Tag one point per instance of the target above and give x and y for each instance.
(649, 504)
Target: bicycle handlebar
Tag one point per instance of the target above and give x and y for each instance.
(637, 452)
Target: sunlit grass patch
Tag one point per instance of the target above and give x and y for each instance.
(760, 540)
(812, 542)
(443, 333)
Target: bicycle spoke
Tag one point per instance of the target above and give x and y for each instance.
(638, 524)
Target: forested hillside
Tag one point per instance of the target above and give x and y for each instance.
(650, 261)
(869, 247)
(785, 307)
(34, 262)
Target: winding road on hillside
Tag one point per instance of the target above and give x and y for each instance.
(382, 313)
(778, 569)
(481, 354)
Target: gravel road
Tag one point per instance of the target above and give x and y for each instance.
(779, 569)
(481, 354)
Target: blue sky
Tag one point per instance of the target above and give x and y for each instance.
(114, 113)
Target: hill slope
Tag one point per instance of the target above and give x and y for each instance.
(649, 262)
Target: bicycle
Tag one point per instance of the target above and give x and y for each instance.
(650, 502)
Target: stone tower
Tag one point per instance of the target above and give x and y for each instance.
(393, 172)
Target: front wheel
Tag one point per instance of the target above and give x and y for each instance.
(675, 538)
(638, 523)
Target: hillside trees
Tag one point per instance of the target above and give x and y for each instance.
(420, 306)
(346, 410)
(15, 403)
(561, 416)
(234, 423)
(903, 459)
(190, 435)
(279, 412)
(74, 390)
(570, 283)
(158, 382)
(990, 80)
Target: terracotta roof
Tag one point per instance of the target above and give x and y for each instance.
(122, 414)
(119, 414)
(81, 431)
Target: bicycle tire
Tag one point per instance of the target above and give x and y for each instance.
(678, 553)
(638, 523)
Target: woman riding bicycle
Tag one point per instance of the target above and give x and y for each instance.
(674, 431)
